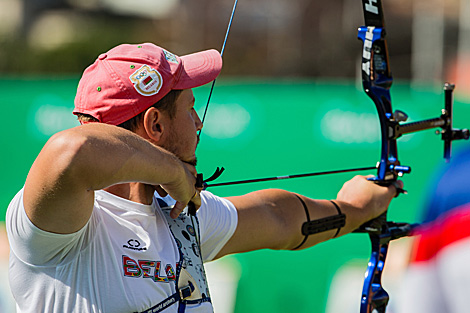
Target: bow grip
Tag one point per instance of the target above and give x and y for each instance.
(393, 182)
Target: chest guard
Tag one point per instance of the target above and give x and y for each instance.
(190, 269)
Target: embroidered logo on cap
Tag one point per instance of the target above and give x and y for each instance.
(147, 81)
(170, 56)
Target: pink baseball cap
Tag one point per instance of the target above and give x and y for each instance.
(129, 79)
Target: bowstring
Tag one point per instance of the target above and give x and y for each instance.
(209, 99)
(221, 55)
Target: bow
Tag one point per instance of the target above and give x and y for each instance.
(377, 80)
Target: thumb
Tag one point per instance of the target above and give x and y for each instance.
(398, 186)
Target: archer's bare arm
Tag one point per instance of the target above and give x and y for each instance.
(59, 189)
(273, 218)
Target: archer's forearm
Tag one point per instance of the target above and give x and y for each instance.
(106, 155)
(58, 193)
(273, 218)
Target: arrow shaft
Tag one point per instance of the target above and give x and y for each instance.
(257, 180)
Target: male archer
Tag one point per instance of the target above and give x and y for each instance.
(100, 224)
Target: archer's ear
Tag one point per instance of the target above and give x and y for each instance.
(154, 124)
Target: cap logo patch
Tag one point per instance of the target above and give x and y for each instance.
(147, 81)
(170, 56)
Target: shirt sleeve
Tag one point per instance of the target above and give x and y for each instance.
(33, 245)
(218, 219)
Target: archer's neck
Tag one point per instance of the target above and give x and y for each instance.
(136, 192)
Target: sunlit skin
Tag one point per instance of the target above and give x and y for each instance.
(182, 136)
(178, 135)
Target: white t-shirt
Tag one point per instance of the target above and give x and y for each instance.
(91, 269)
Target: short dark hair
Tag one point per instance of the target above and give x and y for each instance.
(166, 104)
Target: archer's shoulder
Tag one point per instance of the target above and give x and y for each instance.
(210, 202)
(15, 205)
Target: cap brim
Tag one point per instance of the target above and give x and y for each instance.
(199, 69)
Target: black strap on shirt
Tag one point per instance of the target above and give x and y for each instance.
(179, 295)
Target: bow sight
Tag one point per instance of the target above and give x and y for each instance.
(444, 121)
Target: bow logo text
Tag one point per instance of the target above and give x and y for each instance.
(371, 6)
(367, 49)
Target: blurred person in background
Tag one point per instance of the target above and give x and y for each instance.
(103, 222)
(438, 277)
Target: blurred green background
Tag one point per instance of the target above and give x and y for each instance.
(256, 128)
